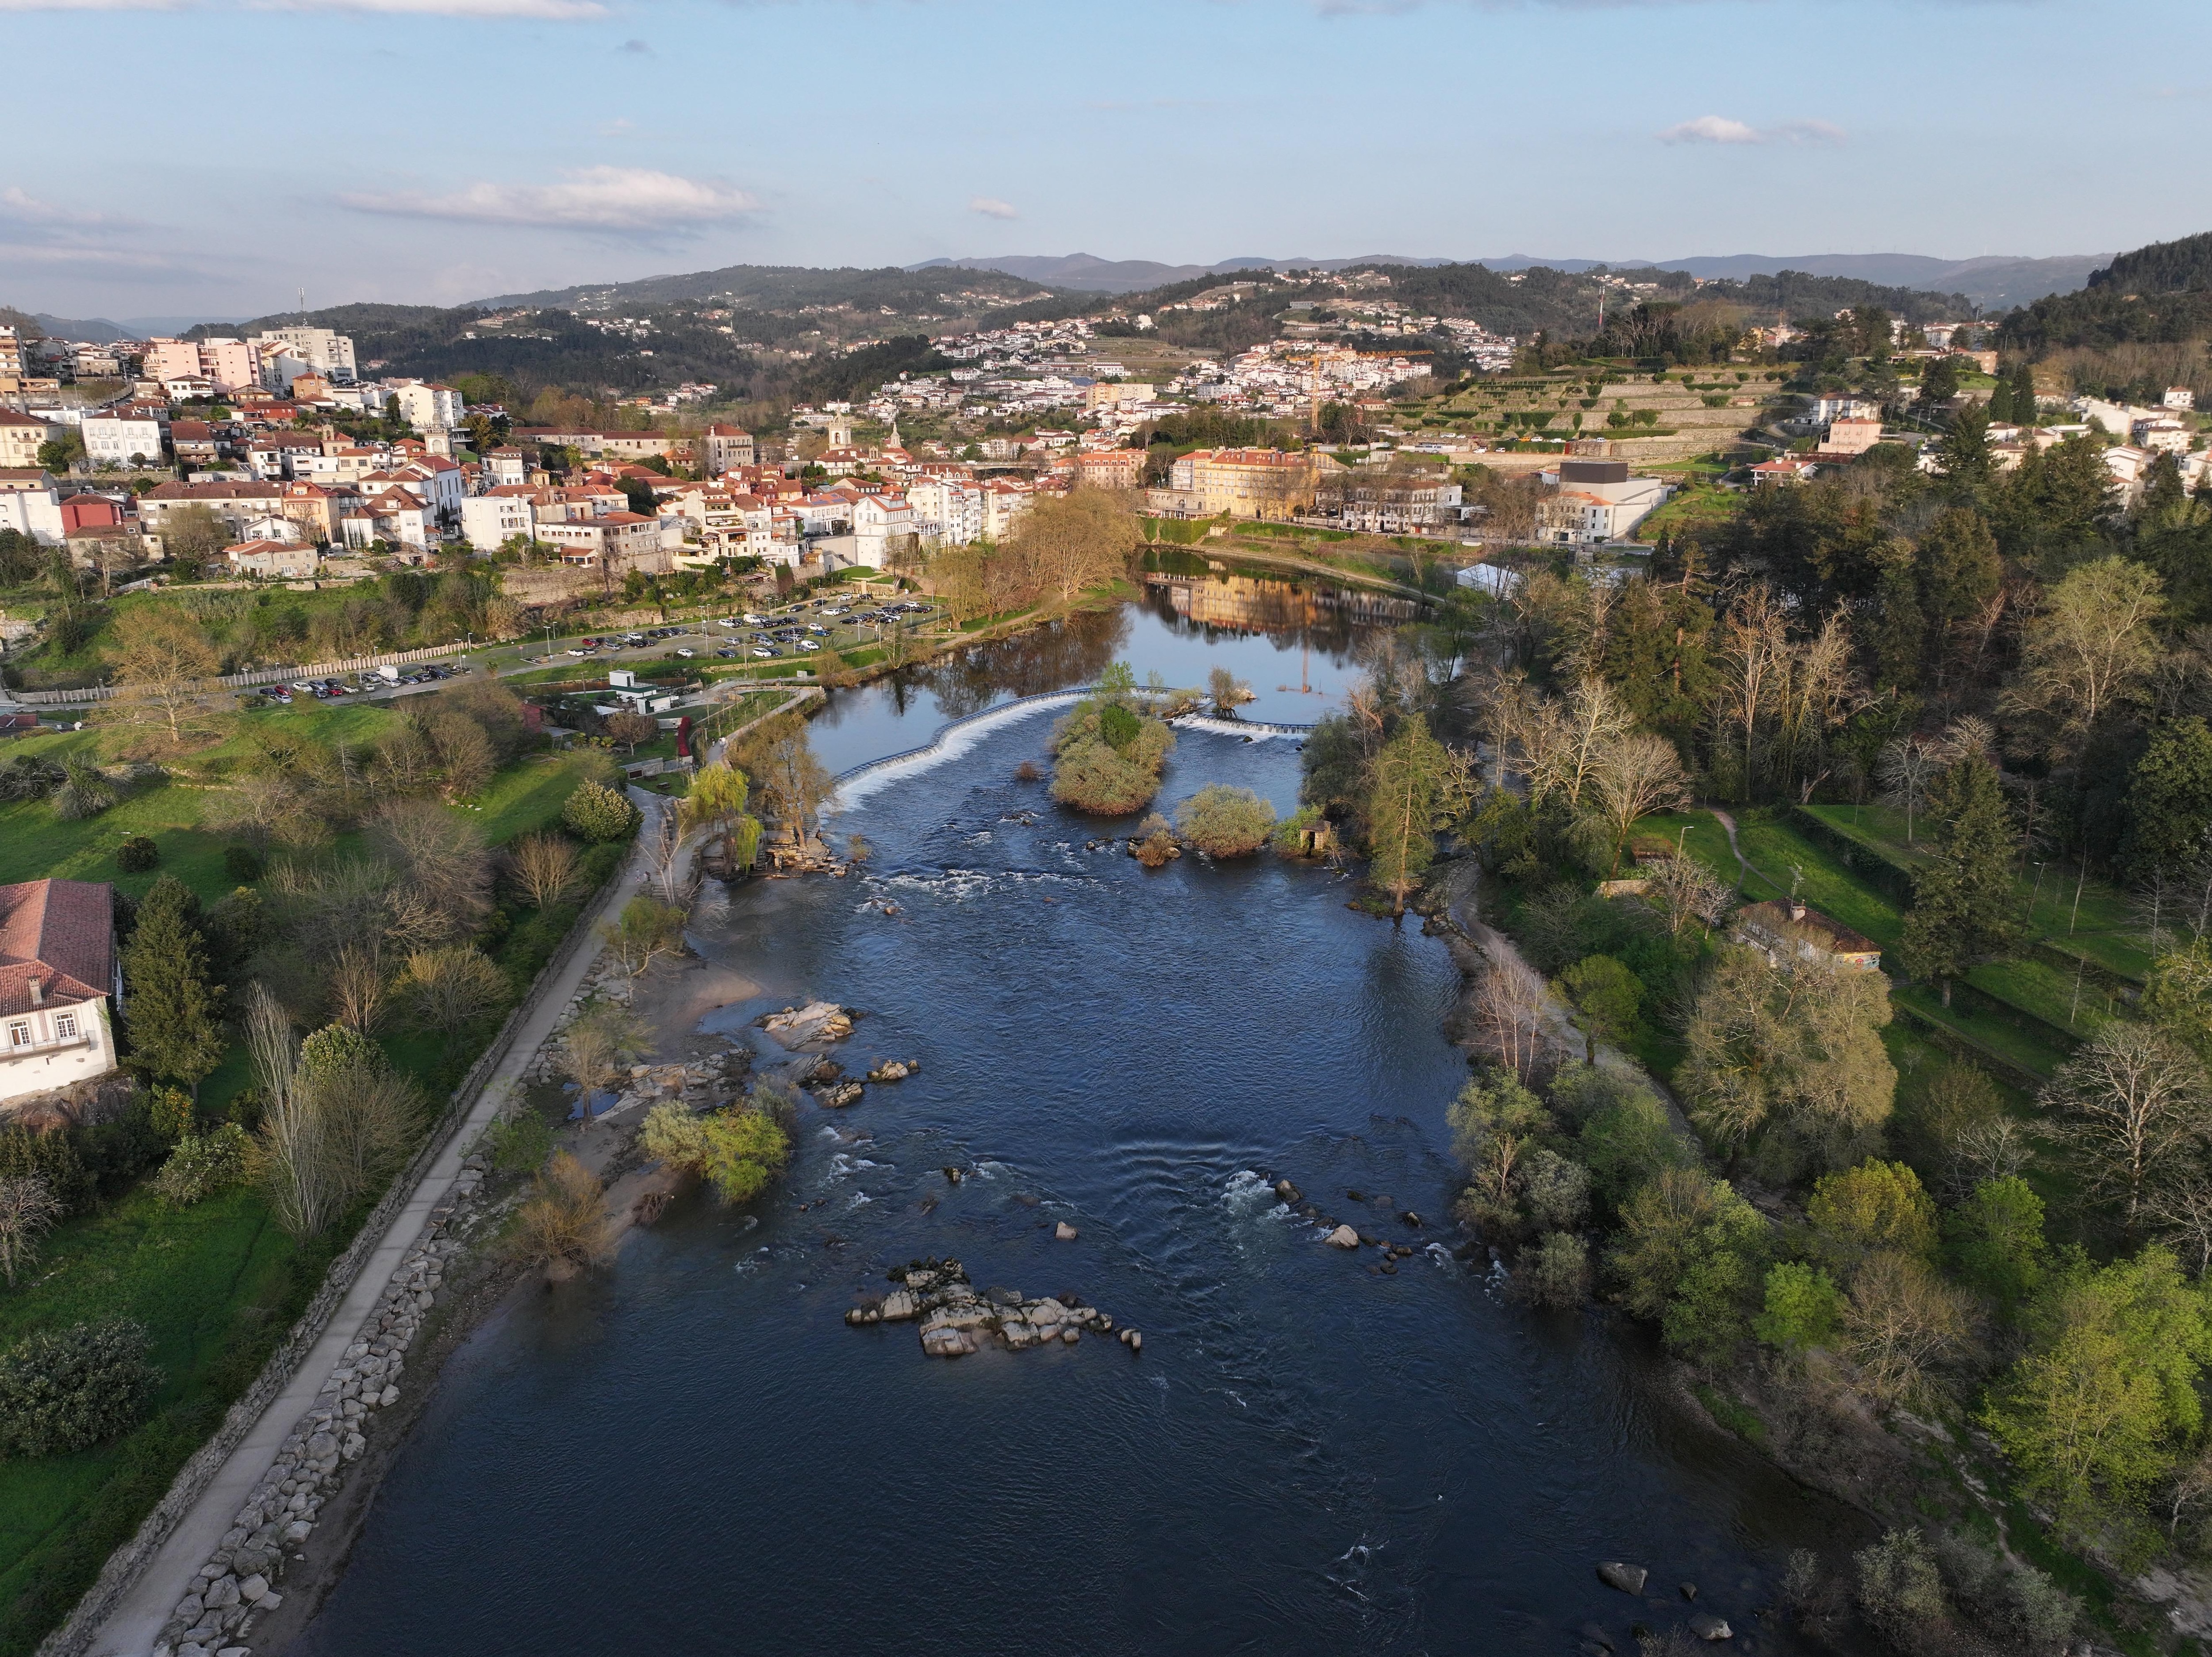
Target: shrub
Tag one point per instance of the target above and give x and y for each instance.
(596, 814)
(744, 1149)
(203, 1164)
(138, 854)
(519, 1144)
(673, 1134)
(1555, 1273)
(63, 1390)
(563, 1225)
(172, 1112)
(52, 1158)
(243, 864)
(1224, 821)
(1155, 845)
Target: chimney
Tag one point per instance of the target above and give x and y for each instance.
(1796, 909)
(38, 992)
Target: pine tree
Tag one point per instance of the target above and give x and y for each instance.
(171, 1006)
(1962, 900)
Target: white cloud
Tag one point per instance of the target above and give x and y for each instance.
(1719, 129)
(992, 208)
(1710, 130)
(599, 198)
(20, 206)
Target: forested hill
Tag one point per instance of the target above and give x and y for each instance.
(2164, 267)
(935, 294)
(2158, 296)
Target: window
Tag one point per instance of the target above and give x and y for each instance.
(65, 1026)
(19, 1033)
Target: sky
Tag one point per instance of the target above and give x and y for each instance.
(438, 151)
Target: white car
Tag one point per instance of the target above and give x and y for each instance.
(808, 644)
(749, 619)
(687, 650)
(762, 650)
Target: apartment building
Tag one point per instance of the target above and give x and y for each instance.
(123, 439)
(616, 544)
(1247, 483)
(323, 350)
(720, 448)
(22, 435)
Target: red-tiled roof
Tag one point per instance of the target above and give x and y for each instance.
(61, 933)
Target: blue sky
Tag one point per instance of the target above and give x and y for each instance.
(433, 151)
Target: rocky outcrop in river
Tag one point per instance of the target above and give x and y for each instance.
(955, 1318)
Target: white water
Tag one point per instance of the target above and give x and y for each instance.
(951, 741)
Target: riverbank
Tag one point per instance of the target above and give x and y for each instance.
(485, 1284)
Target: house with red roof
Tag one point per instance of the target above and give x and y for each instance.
(57, 969)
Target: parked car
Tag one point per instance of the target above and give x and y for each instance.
(765, 650)
(686, 650)
(809, 644)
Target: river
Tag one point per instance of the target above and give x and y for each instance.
(691, 1451)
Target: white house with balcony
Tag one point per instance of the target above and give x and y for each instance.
(58, 970)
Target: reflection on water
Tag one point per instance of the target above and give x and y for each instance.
(691, 1452)
(1297, 645)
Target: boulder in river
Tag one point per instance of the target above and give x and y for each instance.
(1343, 1237)
(1287, 1192)
(1629, 1578)
(837, 1096)
(816, 1022)
(1065, 1232)
(1707, 1626)
(895, 1070)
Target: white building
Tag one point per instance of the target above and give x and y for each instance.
(327, 353)
(123, 439)
(428, 406)
(947, 511)
(487, 520)
(57, 969)
(884, 527)
(31, 504)
(291, 560)
(1597, 502)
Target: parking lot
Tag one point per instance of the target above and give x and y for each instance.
(792, 632)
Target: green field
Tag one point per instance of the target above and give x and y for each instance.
(216, 1285)
(2038, 1012)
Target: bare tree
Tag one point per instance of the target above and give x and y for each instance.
(1906, 769)
(1686, 890)
(1632, 777)
(449, 988)
(2130, 1104)
(358, 987)
(663, 850)
(165, 669)
(1511, 1017)
(543, 868)
(28, 1210)
(1901, 1320)
(2181, 1209)
(441, 856)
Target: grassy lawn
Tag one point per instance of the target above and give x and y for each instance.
(216, 1285)
(524, 794)
(2037, 989)
(1774, 850)
(2104, 931)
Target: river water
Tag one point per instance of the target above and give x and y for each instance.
(691, 1452)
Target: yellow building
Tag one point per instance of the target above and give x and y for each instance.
(1249, 482)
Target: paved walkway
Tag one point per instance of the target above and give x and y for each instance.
(137, 1622)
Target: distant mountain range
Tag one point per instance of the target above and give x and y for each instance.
(1993, 282)
(100, 330)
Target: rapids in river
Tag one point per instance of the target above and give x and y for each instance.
(691, 1452)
